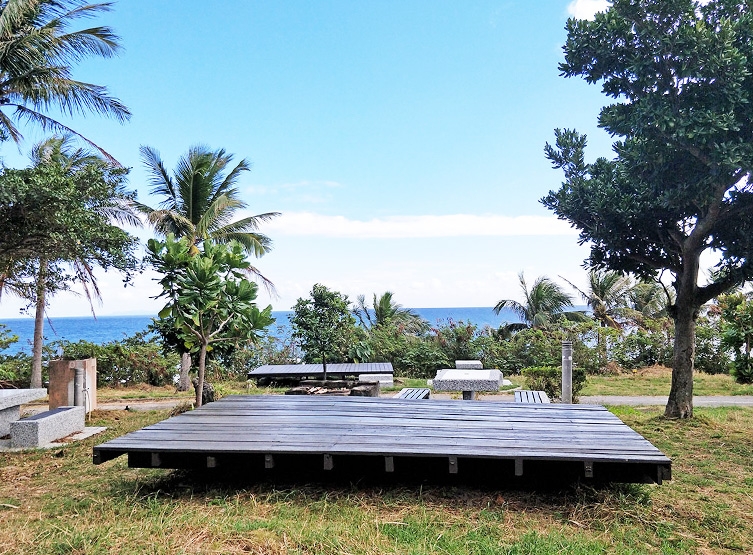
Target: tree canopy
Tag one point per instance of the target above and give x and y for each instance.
(323, 324)
(682, 77)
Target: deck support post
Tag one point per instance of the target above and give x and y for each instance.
(518, 467)
(328, 464)
(588, 467)
(453, 465)
(469, 395)
(211, 462)
(269, 461)
(156, 459)
(389, 464)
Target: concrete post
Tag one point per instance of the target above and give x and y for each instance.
(567, 372)
(78, 387)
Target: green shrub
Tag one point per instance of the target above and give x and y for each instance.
(549, 380)
(421, 359)
(127, 362)
(742, 369)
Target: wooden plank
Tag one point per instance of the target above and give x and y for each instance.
(317, 370)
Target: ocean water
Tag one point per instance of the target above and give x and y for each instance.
(113, 328)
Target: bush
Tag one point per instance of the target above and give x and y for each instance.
(549, 380)
(711, 356)
(742, 369)
(458, 340)
(241, 361)
(421, 359)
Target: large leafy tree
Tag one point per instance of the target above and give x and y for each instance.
(37, 52)
(60, 219)
(681, 73)
(544, 304)
(324, 325)
(209, 300)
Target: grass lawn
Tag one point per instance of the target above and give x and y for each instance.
(54, 502)
(656, 381)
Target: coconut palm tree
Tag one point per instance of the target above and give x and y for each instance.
(199, 200)
(544, 304)
(37, 52)
(384, 311)
(606, 295)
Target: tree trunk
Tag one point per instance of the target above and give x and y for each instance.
(324, 365)
(36, 350)
(202, 367)
(185, 366)
(680, 403)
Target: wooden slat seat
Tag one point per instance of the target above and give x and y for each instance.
(413, 393)
(523, 396)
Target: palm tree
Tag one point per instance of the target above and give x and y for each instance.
(606, 295)
(385, 311)
(36, 54)
(199, 201)
(544, 304)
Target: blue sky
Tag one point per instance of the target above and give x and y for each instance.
(402, 141)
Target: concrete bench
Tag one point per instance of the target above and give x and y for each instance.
(10, 405)
(524, 396)
(46, 427)
(413, 393)
(385, 380)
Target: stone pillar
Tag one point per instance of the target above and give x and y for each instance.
(567, 372)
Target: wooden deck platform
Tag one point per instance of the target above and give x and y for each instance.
(518, 438)
(315, 371)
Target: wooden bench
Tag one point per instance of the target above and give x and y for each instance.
(531, 397)
(413, 393)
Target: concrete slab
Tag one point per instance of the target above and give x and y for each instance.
(385, 380)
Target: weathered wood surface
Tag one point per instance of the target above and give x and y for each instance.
(317, 371)
(525, 396)
(390, 427)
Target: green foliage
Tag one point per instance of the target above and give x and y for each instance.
(324, 326)
(208, 297)
(712, 356)
(645, 346)
(39, 50)
(458, 340)
(6, 339)
(549, 380)
(385, 312)
(122, 363)
(421, 359)
(737, 316)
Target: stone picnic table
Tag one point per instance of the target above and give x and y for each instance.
(467, 380)
(10, 405)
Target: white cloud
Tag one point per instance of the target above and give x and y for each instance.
(586, 9)
(403, 227)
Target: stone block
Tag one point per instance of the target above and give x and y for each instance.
(385, 380)
(45, 427)
(366, 390)
(453, 379)
(469, 364)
